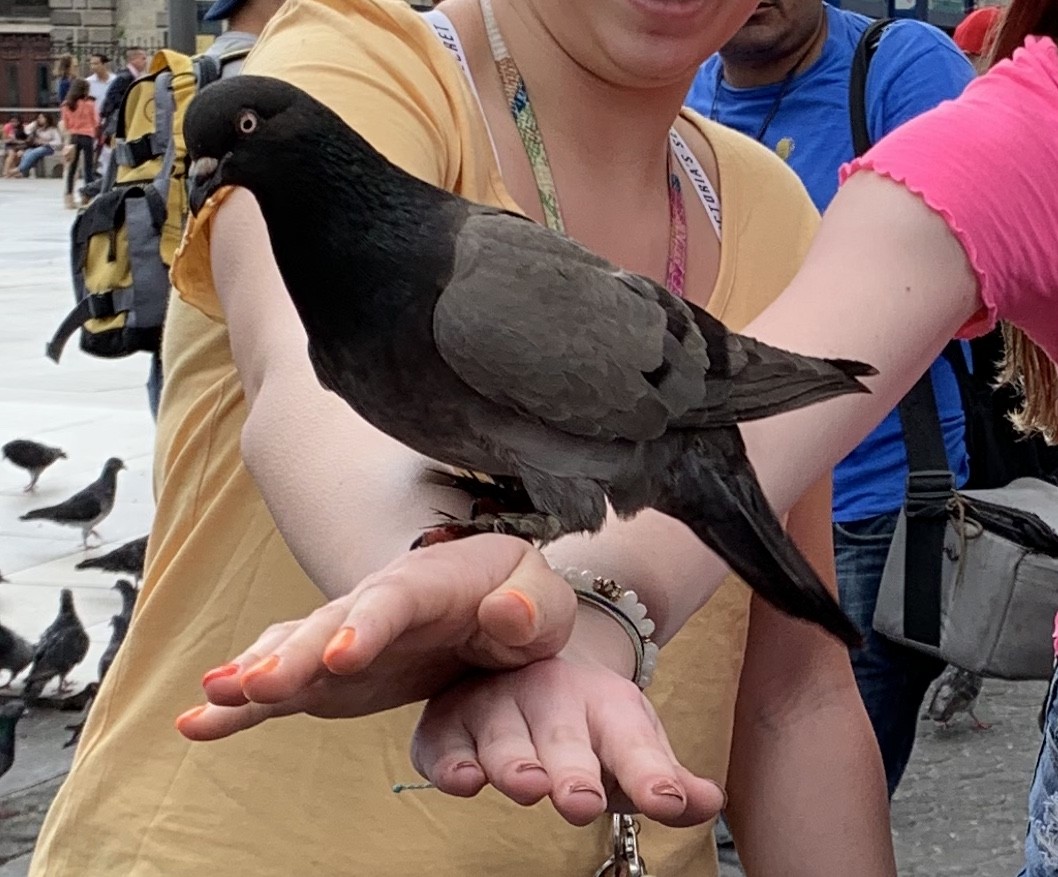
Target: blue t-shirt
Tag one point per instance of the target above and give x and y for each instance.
(915, 68)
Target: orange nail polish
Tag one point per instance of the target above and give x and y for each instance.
(189, 715)
(262, 667)
(530, 606)
(220, 673)
(342, 642)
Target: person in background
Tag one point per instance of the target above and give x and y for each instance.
(783, 79)
(245, 19)
(135, 66)
(99, 83)
(44, 139)
(81, 121)
(65, 73)
(976, 33)
(15, 139)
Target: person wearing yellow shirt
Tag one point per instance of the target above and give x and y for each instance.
(273, 496)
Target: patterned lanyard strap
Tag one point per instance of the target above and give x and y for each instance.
(525, 121)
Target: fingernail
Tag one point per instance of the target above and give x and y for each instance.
(527, 766)
(723, 792)
(220, 673)
(466, 765)
(261, 668)
(530, 606)
(189, 716)
(669, 790)
(342, 642)
(584, 787)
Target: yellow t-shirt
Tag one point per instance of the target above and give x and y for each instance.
(302, 796)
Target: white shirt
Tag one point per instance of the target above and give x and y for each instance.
(98, 88)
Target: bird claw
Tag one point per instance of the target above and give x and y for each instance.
(535, 528)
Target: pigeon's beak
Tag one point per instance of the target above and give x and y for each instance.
(205, 177)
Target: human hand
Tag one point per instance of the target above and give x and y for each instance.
(400, 636)
(568, 728)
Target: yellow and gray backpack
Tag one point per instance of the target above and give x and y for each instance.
(124, 240)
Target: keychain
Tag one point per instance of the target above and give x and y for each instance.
(625, 861)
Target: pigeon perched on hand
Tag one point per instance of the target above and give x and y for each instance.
(129, 593)
(128, 558)
(61, 648)
(87, 508)
(956, 691)
(16, 653)
(492, 344)
(10, 713)
(33, 457)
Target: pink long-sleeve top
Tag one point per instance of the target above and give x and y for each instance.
(83, 119)
(988, 164)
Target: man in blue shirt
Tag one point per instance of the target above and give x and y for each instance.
(783, 79)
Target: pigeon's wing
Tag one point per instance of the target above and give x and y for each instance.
(532, 320)
(84, 506)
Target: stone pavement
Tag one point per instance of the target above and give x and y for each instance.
(959, 812)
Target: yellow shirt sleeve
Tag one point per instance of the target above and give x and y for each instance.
(381, 68)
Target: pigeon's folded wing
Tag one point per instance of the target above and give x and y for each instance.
(534, 321)
(84, 506)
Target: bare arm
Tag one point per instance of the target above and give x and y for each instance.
(805, 766)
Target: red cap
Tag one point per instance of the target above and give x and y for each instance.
(975, 33)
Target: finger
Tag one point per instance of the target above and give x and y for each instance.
(211, 722)
(529, 617)
(223, 685)
(636, 752)
(564, 746)
(443, 751)
(505, 750)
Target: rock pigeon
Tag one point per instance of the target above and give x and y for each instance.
(489, 343)
(128, 559)
(82, 702)
(120, 627)
(956, 691)
(129, 593)
(87, 508)
(33, 457)
(61, 648)
(10, 713)
(16, 653)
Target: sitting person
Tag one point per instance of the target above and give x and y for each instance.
(45, 139)
(15, 139)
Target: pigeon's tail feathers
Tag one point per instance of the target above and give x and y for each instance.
(768, 381)
(37, 514)
(729, 513)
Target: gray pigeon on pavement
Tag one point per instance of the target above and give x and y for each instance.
(61, 648)
(10, 713)
(128, 558)
(120, 626)
(128, 597)
(16, 653)
(87, 508)
(33, 457)
(491, 344)
(956, 691)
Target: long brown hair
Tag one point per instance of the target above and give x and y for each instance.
(78, 92)
(1025, 366)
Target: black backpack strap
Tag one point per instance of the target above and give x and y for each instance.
(861, 62)
(930, 484)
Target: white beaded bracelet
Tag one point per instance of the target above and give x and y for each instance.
(624, 607)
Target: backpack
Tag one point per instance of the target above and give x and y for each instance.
(124, 240)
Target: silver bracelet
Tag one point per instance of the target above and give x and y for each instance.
(624, 607)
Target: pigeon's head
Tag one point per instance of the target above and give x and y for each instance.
(124, 587)
(113, 466)
(66, 600)
(237, 129)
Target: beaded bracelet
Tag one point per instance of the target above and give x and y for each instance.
(624, 607)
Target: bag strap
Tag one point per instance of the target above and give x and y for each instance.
(861, 62)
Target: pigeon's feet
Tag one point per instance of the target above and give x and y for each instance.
(978, 725)
(64, 685)
(534, 527)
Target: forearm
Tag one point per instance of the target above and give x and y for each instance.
(808, 793)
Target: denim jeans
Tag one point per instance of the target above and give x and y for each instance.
(31, 156)
(1041, 839)
(892, 678)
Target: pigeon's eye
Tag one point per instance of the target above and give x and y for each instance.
(247, 122)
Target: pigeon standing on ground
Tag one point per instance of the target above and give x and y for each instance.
(128, 597)
(489, 343)
(128, 559)
(33, 457)
(61, 648)
(956, 691)
(16, 653)
(87, 508)
(10, 713)
(120, 627)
